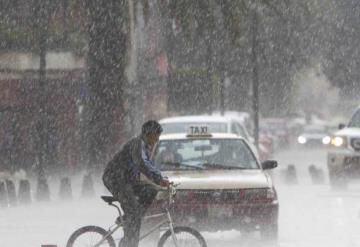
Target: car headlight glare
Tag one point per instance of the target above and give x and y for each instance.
(302, 140)
(326, 140)
(338, 141)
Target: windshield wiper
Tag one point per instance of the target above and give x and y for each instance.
(177, 164)
(222, 166)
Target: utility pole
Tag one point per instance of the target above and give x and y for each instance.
(41, 15)
(255, 83)
(222, 93)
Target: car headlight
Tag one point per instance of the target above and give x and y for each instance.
(326, 140)
(259, 195)
(270, 193)
(338, 141)
(302, 140)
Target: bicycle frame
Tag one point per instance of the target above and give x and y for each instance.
(168, 221)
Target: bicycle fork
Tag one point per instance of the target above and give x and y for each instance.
(171, 226)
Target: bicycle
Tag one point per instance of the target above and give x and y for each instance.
(173, 236)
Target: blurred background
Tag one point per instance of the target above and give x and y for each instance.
(78, 78)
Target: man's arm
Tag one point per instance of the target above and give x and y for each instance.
(146, 165)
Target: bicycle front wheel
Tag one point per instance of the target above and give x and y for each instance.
(90, 236)
(185, 236)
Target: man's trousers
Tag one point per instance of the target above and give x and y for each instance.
(134, 201)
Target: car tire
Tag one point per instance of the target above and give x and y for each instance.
(269, 232)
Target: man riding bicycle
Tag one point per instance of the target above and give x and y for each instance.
(122, 178)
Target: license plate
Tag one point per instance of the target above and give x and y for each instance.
(220, 212)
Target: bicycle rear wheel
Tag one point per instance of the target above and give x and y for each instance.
(89, 236)
(186, 236)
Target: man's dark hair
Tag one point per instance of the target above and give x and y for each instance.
(150, 127)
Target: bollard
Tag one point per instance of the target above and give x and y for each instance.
(316, 174)
(291, 175)
(42, 192)
(3, 195)
(65, 192)
(313, 173)
(24, 193)
(10, 186)
(87, 186)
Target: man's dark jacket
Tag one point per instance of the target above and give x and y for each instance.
(126, 166)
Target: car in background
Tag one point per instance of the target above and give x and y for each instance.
(314, 136)
(279, 129)
(343, 159)
(266, 147)
(215, 124)
(222, 185)
(267, 140)
(242, 117)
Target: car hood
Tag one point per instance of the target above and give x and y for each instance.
(349, 132)
(313, 136)
(220, 179)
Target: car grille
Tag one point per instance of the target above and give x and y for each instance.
(355, 144)
(221, 196)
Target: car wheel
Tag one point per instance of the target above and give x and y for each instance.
(269, 232)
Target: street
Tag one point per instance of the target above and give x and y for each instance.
(196, 90)
(310, 214)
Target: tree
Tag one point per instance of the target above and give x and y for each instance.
(342, 53)
(107, 59)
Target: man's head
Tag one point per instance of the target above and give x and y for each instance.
(151, 130)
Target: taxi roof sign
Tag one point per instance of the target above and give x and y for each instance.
(196, 131)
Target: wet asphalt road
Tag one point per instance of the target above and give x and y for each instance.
(310, 214)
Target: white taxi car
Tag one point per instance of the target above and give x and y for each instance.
(215, 123)
(222, 185)
(343, 158)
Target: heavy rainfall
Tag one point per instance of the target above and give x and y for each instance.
(235, 85)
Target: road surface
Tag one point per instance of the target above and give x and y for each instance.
(311, 215)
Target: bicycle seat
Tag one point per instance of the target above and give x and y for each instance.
(109, 199)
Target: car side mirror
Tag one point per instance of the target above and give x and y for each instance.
(341, 126)
(269, 164)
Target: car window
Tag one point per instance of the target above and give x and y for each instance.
(236, 128)
(182, 127)
(355, 120)
(188, 154)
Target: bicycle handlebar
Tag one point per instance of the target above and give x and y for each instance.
(171, 190)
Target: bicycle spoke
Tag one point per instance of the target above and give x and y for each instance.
(90, 236)
(184, 239)
(89, 240)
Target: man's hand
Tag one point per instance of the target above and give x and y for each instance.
(165, 183)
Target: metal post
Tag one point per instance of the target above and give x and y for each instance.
(255, 75)
(222, 94)
(41, 31)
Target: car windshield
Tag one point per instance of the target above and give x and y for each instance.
(204, 154)
(355, 120)
(314, 130)
(182, 127)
